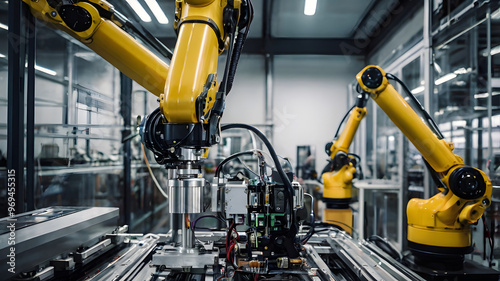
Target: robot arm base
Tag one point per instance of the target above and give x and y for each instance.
(444, 258)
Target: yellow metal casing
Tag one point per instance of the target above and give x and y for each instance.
(437, 152)
(195, 58)
(344, 141)
(444, 219)
(340, 217)
(338, 184)
(110, 42)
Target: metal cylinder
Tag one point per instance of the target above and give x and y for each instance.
(185, 196)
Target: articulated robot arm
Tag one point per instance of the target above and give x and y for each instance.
(439, 227)
(338, 182)
(203, 28)
(187, 121)
(96, 25)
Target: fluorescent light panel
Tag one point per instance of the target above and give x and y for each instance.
(418, 89)
(495, 50)
(496, 14)
(3, 26)
(43, 69)
(445, 78)
(485, 95)
(139, 10)
(310, 7)
(157, 11)
(461, 70)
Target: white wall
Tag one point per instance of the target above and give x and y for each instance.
(310, 101)
(246, 101)
(310, 98)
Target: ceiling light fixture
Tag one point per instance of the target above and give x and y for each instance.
(43, 69)
(481, 95)
(445, 78)
(139, 10)
(310, 7)
(418, 90)
(485, 95)
(3, 26)
(157, 11)
(462, 70)
(494, 51)
(2, 56)
(496, 14)
(437, 67)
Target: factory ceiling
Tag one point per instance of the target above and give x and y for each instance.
(338, 27)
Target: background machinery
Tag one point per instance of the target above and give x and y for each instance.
(341, 170)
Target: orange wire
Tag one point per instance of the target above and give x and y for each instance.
(188, 223)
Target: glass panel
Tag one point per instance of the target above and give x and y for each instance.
(461, 92)
(387, 147)
(413, 78)
(444, 11)
(3, 83)
(460, 95)
(78, 136)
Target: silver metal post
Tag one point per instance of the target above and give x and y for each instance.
(269, 97)
(490, 92)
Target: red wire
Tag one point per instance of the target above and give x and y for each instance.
(228, 254)
(229, 234)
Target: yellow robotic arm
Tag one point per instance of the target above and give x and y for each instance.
(338, 182)
(191, 100)
(439, 227)
(86, 22)
(202, 27)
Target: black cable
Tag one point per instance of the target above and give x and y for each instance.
(129, 137)
(429, 119)
(235, 55)
(203, 217)
(355, 156)
(247, 168)
(314, 231)
(309, 234)
(490, 240)
(358, 167)
(223, 84)
(223, 162)
(142, 33)
(385, 246)
(185, 137)
(434, 175)
(342, 122)
(279, 168)
(335, 224)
